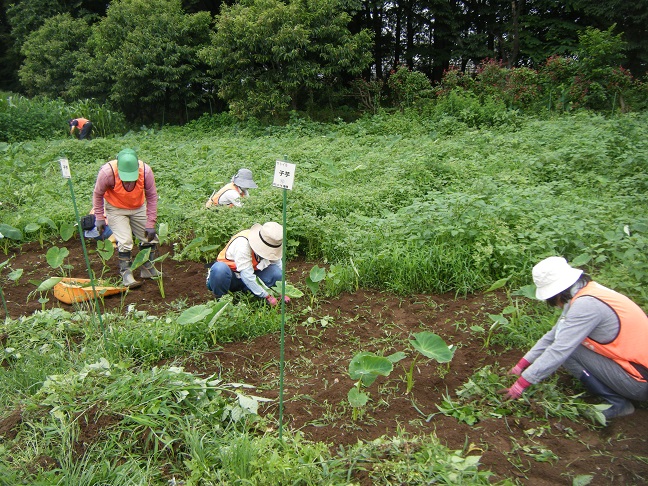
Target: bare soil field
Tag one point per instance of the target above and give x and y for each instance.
(316, 379)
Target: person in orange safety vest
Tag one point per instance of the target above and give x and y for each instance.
(81, 127)
(232, 193)
(250, 254)
(125, 193)
(601, 338)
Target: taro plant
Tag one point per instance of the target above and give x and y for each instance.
(8, 233)
(105, 250)
(143, 256)
(40, 227)
(67, 230)
(431, 346)
(209, 313)
(14, 275)
(313, 280)
(55, 257)
(364, 368)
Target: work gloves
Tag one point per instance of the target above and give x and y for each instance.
(516, 389)
(273, 301)
(150, 234)
(100, 226)
(519, 367)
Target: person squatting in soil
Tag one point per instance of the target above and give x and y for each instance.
(601, 338)
(230, 194)
(251, 253)
(125, 192)
(81, 128)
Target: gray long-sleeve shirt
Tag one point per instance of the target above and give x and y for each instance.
(585, 317)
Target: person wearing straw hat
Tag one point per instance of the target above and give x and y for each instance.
(125, 193)
(230, 194)
(601, 338)
(250, 254)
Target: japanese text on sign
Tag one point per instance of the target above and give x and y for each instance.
(65, 168)
(284, 175)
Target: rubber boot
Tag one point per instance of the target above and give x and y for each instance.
(620, 406)
(125, 271)
(147, 270)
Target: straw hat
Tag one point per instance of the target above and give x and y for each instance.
(553, 275)
(267, 240)
(243, 178)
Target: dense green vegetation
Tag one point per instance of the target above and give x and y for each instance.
(448, 200)
(450, 196)
(170, 61)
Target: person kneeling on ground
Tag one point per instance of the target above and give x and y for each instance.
(601, 338)
(251, 253)
(232, 193)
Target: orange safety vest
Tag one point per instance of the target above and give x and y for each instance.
(231, 263)
(213, 200)
(120, 197)
(630, 346)
(81, 122)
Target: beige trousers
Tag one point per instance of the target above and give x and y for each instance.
(126, 223)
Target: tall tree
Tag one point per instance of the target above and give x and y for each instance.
(268, 55)
(51, 54)
(142, 58)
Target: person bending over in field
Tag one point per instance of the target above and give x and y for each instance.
(230, 194)
(81, 128)
(128, 187)
(601, 338)
(251, 253)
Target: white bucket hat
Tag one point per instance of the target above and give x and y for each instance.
(553, 275)
(267, 240)
(243, 178)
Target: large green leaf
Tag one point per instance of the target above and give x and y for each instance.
(56, 256)
(194, 314)
(67, 230)
(105, 249)
(48, 284)
(368, 366)
(317, 274)
(32, 227)
(357, 398)
(432, 346)
(10, 232)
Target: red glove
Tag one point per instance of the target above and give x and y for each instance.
(271, 300)
(516, 390)
(519, 368)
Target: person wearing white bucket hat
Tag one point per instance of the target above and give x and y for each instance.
(255, 252)
(230, 194)
(601, 338)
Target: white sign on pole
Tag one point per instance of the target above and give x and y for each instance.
(65, 168)
(284, 175)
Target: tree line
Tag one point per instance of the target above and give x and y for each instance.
(169, 61)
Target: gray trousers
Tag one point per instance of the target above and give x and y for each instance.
(607, 371)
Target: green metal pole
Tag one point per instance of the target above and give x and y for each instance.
(283, 319)
(85, 255)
